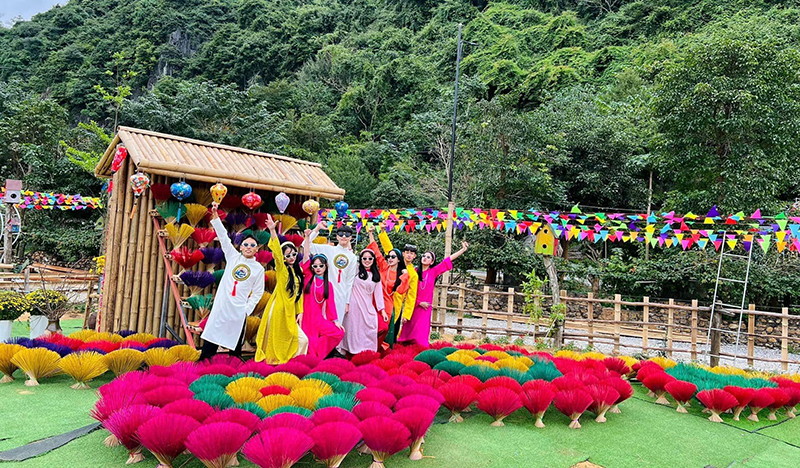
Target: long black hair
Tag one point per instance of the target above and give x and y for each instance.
(324, 261)
(362, 272)
(295, 268)
(400, 261)
(433, 262)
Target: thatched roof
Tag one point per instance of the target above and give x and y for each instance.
(174, 156)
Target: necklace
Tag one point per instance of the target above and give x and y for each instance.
(422, 283)
(386, 290)
(316, 299)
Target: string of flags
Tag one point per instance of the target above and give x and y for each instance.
(658, 229)
(55, 201)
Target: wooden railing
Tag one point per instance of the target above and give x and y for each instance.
(657, 326)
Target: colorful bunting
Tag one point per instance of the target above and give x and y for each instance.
(55, 201)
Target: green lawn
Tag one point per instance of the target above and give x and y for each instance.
(22, 329)
(644, 435)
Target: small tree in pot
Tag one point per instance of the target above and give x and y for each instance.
(12, 305)
(50, 303)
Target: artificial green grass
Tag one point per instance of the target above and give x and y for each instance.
(644, 435)
(23, 329)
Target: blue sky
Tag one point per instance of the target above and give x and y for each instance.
(10, 9)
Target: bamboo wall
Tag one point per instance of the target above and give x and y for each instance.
(135, 285)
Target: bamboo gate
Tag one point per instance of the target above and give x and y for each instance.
(627, 326)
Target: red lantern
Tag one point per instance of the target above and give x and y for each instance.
(251, 200)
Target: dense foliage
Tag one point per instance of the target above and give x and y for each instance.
(561, 102)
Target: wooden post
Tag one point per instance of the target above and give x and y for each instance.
(716, 339)
(590, 316)
(751, 339)
(448, 249)
(785, 338)
(645, 319)
(617, 319)
(510, 323)
(485, 310)
(146, 280)
(142, 218)
(537, 303)
(123, 258)
(116, 203)
(670, 323)
(461, 303)
(694, 330)
(88, 308)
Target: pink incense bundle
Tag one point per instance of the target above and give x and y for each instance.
(436, 373)
(401, 371)
(365, 357)
(186, 257)
(743, 396)
(333, 414)
(360, 377)
(294, 367)
(418, 401)
(370, 409)
(794, 399)
(124, 424)
(656, 383)
(761, 399)
(112, 401)
(603, 398)
(374, 371)
(274, 390)
(623, 387)
(223, 369)
(168, 394)
(617, 365)
(333, 441)
(505, 382)
(196, 409)
(536, 401)
(572, 403)
(539, 384)
(498, 402)
(418, 421)
(235, 415)
(717, 401)
(779, 399)
(165, 436)
(217, 444)
(419, 389)
(384, 437)
(470, 380)
(567, 382)
(277, 448)
(681, 391)
(287, 421)
(204, 236)
(376, 394)
(457, 397)
(417, 367)
(385, 364)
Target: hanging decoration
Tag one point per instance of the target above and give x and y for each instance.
(181, 191)
(139, 183)
(251, 200)
(218, 192)
(119, 158)
(311, 207)
(55, 201)
(683, 231)
(282, 201)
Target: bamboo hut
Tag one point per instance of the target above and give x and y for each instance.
(137, 285)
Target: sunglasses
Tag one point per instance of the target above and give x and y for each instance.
(344, 234)
(391, 257)
(368, 258)
(291, 255)
(248, 244)
(317, 266)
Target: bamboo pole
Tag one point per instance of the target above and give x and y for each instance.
(141, 229)
(751, 340)
(670, 321)
(784, 338)
(590, 316)
(645, 319)
(694, 330)
(460, 320)
(617, 319)
(158, 297)
(485, 308)
(510, 322)
(123, 250)
(145, 280)
(115, 207)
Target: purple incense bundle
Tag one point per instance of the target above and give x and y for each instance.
(212, 255)
(197, 280)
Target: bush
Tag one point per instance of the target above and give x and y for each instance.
(12, 305)
(47, 302)
(458, 338)
(435, 336)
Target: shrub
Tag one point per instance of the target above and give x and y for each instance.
(53, 304)
(12, 305)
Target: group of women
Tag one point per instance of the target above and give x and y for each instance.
(330, 301)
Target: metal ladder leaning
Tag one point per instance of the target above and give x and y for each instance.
(731, 307)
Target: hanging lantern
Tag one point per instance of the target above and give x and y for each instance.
(218, 192)
(282, 201)
(341, 208)
(251, 200)
(181, 190)
(139, 183)
(119, 157)
(311, 207)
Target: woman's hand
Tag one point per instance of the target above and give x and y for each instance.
(424, 305)
(299, 319)
(307, 233)
(320, 225)
(385, 316)
(214, 210)
(270, 223)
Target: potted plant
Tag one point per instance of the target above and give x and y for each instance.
(50, 304)
(12, 305)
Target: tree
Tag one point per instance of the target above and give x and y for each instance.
(729, 110)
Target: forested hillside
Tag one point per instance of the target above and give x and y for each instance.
(562, 101)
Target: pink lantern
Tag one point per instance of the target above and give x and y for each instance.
(282, 201)
(251, 200)
(139, 183)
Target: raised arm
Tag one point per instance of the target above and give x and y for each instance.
(411, 296)
(222, 234)
(464, 247)
(275, 247)
(383, 265)
(386, 244)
